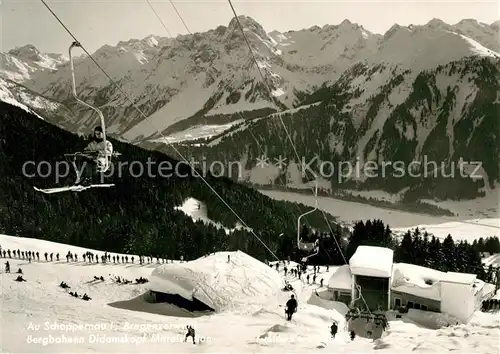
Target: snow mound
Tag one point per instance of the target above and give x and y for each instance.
(433, 320)
(220, 284)
(277, 328)
(317, 300)
(372, 261)
(341, 279)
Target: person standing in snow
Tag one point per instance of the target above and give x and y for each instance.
(333, 329)
(291, 307)
(190, 333)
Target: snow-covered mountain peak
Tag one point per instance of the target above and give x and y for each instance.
(344, 26)
(234, 42)
(314, 28)
(248, 24)
(436, 43)
(21, 62)
(28, 52)
(483, 33)
(215, 69)
(144, 43)
(134, 50)
(436, 23)
(151, 40)
(470, 22)
(395, 28)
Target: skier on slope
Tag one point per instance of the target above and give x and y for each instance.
(291, 307)
(98, 162)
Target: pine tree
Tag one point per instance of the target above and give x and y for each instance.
(436, 254)
(404, 251)
(358, 236)
(426, 253)
(448, 254)
(418, 251)
(492, 245)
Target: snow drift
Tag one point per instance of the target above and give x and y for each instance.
(219, 283)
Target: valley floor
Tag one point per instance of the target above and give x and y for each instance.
(350, 212)
(32, 311)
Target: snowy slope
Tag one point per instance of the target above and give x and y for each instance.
(493, 260)
(7, 95)
(197, 210)
(386, 113)
(469, 231)
(100, 327)
(197, 132)
(421, 94)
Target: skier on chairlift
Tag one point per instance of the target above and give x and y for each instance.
(98, 158)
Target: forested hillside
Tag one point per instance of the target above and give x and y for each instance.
(138, 213)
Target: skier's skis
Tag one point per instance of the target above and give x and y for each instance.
(72, 188)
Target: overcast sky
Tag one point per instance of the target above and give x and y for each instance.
(99, 22)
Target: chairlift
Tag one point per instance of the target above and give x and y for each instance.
(105, 163)
(310, 247)
(355, 312)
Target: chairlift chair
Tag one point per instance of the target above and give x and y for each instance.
(105, 163)
(310, 247)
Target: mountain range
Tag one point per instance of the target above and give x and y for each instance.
(344, 93)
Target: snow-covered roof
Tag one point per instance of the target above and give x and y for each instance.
(218, 283)
(341, 279)
(372, 261)
(460, 278)
(426, 282)
(418, 281)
